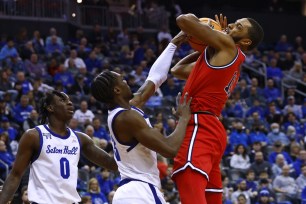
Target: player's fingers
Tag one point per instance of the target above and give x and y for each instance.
(225, 21)
(209, 22)
(173, 111)
(178, 98)
(189, 101)
(217, 18)
(185, 98)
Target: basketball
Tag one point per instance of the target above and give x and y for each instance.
(198, 45)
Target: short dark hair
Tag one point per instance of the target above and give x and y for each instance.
(256, 33)
(102, 87)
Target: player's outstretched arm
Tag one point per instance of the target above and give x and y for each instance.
(28, 145)
(96, 154)
(131, 124)
(158, 72)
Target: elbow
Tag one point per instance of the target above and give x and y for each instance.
(170, 154)
(174, 71)
(181, 20)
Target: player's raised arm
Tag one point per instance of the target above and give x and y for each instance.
(96, 154)
(158, 72)
(132, 125)
(28, 146)
(192, 26)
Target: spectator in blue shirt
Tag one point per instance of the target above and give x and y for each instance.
(257, 135)
(99, 130)
(54, 47)
(93, 63)
(293, 121)
(6, 127)
(299, 162)
(26, 85)
(278, 149)
(94, 191)
(271, 93)
(105, 183)
(233, 109)
(8, 50)
(274, 72)
(64, 76)
(255, 108)
(6, 157)
(22, 110)
(238, 136)
(250, 180)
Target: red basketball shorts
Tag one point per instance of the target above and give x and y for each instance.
(202, 149)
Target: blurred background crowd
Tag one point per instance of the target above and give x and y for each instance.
(265, 117)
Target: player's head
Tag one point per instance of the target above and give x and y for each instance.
(55, 104)
(246, 32)
(108, 86)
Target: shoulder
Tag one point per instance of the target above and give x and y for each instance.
(31, 133)
(128, 116)
(84, 138)
(30, 137)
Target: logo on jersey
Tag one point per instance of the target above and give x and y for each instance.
(231, 85)
(65, 150)
(47, 135)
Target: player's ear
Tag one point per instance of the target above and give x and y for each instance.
(50, 108)
(246, 42)
(116, 90)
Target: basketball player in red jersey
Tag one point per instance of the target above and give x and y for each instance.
(212, 75)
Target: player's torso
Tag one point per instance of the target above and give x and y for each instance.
(210, 86)
(134, 160)
(54, 172)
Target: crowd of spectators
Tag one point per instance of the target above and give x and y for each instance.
(265, 159)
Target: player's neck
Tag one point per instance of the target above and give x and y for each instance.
(121, 103)
(58, 127)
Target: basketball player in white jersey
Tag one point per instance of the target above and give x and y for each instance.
(135, 142)
(53, 150)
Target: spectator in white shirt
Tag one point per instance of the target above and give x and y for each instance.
(83, 115)
(74, 61)
(240, 160)
(285, 186)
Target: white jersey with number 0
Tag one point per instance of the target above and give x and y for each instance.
(54, 172)
(134, 160)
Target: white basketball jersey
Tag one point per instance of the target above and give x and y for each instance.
(134, 161)
(54, 172)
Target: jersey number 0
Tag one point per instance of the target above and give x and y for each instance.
(65, 168)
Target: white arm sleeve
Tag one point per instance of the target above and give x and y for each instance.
(159, 70)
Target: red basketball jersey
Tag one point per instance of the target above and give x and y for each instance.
(210, 86)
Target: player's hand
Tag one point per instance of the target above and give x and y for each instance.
(183, 107)
(222, 20)
(180, 38)
(136, 100)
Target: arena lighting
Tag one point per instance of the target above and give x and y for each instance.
(73, 15)
(79, 1)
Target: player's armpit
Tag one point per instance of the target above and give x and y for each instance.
(182, 71)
